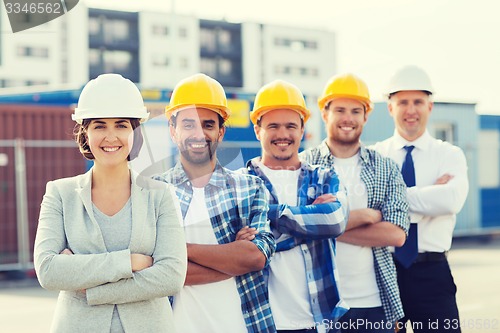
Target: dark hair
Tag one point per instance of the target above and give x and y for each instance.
(173, 121)
(80, 135)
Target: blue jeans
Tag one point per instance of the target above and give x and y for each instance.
(365, 320)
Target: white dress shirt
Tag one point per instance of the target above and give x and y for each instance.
(433, 207)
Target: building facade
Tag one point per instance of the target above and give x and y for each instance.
(157, 49)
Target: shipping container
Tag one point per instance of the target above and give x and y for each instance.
(36, 145)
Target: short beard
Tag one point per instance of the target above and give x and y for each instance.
(283, 158)
(345, 143)
(205, 158)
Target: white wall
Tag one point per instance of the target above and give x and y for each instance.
(65, 37)
(170, 46)
(488, 154)
(77, 21)
(251, 40)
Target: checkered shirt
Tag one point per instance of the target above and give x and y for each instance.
(313, 228)
(234, 201)
(387, 193)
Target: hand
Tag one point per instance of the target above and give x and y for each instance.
(69, 252)
(246, 233)
(325, 198)
(374, 215)
(140, 261)
(66, 251)
(444, 179)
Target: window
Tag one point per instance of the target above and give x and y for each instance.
(285, 42)
(208, 66)
(160, 60)
(40, 52)
(280, 69)
(36, 82)
(116, 30)
(295, 44)
(183, 32)
(225, 67)
(297, 71)
(311, 44)
(22, 51)
(224, 38)
(160, 30)
(117, 60)
(94, 57)
(184, 62)
(444, 131)
(208, 39)
(28, 51)
(94, 26)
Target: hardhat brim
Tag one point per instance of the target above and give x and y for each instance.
(325, 100)
(257, 114)
(81, 114)
(224, 112)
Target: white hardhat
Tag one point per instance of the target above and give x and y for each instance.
(110, 96)
(410, 78)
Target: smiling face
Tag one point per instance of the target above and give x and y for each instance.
(110, 140)
(280, 133)
(410, 110)
(344, 119)
(197, 133)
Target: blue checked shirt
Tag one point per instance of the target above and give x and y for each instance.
(234, 201)
(313, 228)
(386, 193)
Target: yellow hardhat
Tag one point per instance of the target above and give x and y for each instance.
(279, 94)
(198, 90)
(346, 86)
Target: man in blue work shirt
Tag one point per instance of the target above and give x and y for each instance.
(305, 215)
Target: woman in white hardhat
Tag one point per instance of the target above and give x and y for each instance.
(110, 240)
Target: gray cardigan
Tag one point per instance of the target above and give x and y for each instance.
(67, 221)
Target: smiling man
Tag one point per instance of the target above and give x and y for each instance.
(378, 208)
(225, 220)
(305, 215)
(436, 175)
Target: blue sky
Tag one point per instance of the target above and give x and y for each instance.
(456, 41)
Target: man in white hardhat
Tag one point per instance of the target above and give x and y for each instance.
(435, 173)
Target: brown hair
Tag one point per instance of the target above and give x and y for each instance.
(80, 135)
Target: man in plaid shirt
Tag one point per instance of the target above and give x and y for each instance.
(378, 209)
(304, 212)
(225, 220)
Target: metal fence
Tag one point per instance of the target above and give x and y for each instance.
(26, 166)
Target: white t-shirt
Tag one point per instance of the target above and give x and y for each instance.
(357, 283)
(288, 292)
(213, 307)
